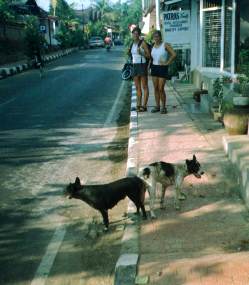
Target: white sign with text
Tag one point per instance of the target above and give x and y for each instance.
(176, 28)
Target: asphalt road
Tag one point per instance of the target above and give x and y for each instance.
(72, 122)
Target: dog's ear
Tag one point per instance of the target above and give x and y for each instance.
(194, 158)
(187, 161)
(77, 181)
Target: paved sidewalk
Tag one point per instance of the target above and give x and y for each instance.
(207, 241)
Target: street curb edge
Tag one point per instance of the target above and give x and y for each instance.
(126, 266)
(10, 71)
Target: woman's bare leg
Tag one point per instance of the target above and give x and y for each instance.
(156, 91)
(161, 85)
(144, 80)
(137, 81)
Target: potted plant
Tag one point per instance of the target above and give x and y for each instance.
(241, 88)
(236, 119)
(227, 82)
(217, 99)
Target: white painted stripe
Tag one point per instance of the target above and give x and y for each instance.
(133, 125)
(114, 106)
(49, 257)
(132, 159)
(133, 105)
(5, 103)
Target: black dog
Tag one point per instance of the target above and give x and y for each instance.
(106, 196)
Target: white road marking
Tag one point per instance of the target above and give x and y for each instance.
(69, 66)
(114, 106)
(5, 103)
(49, 257)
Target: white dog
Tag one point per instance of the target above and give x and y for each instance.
(168, 174)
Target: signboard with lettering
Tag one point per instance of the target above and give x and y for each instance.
(176, 28)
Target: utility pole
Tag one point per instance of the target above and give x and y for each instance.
(54, 4)
(158, 14)
(82, 7)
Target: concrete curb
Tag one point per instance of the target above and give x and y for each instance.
(126, 266)
(10, 71)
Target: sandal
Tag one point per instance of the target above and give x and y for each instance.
(164, 111)
(155, 110)
(138, 108)
(143, 109)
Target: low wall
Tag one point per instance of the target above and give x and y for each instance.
(13, 32)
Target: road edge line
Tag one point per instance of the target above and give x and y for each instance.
(114, 106)
(47, 261)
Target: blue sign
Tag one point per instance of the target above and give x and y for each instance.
(43, 29)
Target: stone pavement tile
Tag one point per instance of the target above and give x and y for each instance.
(165, 133)
(216, 269)
(207, 241)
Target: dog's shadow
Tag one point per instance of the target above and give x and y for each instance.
(96, 227)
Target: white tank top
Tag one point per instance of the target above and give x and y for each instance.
(159, 55)
(136, 57)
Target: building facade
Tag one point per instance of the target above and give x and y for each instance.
(211, 36)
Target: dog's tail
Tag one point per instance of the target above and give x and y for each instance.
(146, 172)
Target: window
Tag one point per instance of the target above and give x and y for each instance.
(242, 29)
(211, 35)
(228, 35)
(181, 5)
(211, 3)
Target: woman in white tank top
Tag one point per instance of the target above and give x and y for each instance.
(162, 55)
(139, 52)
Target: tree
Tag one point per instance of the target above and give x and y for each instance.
(97, 29)
(6, 14)
(62, 10)
(118, 15)
(103, 6)
(69, 34)
(33, 38)
(131, 14)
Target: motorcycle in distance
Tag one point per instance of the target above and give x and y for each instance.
(108, 47)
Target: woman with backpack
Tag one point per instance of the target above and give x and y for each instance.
(162, 55)
(139, 52)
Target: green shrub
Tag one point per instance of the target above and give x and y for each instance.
(33, 38)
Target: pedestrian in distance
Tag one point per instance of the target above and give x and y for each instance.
(38, 61)
(139, 53)
(162, 55)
